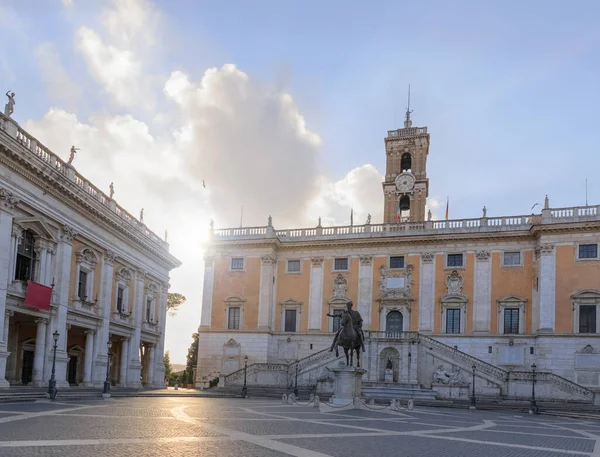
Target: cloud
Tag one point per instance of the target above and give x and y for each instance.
(67, 3)
(59, 84)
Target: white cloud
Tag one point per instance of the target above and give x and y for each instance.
(59, 84)
(67, 3)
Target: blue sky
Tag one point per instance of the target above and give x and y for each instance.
(508, 90)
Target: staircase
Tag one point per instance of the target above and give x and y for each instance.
(378, 390)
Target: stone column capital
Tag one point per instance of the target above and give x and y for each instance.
(366, 260)
(8, 202)
(208, 260)
(68, 234)
(110, 257)
(41, 321)
(482, 255)
(427, 257)
(317, 261)
(268, 259)
(8, 313)
(90, 332)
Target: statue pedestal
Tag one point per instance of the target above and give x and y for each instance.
(348, 385)
(389, 376)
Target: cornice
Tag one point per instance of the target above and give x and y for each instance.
(51, 182)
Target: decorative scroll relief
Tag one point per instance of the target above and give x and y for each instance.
(269, 259)
(482, 255)
(8, 200)
(68, 234)
(87, 256)
(427, 257)
(394, 284)
(317, 261)
(544, 249)
(366, 260)
(110, 257)
(340, 285)
(454, 283)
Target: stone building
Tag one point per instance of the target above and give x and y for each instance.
(109, 275)
(438, 298)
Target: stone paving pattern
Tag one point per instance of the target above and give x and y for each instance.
(175, 426)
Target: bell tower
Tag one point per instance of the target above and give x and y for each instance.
(406, 186)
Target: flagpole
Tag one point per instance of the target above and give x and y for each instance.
(242, 216)
(586, 199)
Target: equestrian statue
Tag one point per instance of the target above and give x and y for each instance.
(350, 335)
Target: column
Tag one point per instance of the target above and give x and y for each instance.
(151, 365)
(547, 285)
(482, 306)
(88, 357)
(365, 289)
(7, 315)
(8, 202)
(159, 373)
(124, 365)
(61, 291)
(315, 295)
(207, 292)
(105, 309)
(427, 292)
(39, 352)
(138, 312)
(17, 234)
(266, 294)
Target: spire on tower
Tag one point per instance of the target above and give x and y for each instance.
(408, 122)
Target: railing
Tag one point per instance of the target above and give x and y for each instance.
(395, 336)
(407, 132)
(556, 381)
(53, 161)
(491, 370)
(575, 212)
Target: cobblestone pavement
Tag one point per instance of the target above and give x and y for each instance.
(261, 427)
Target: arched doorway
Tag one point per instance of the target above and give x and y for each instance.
(394, 323)
(393, 355)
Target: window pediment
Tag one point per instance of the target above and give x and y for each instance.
(454, 299)
(124, 275)
(291, 303)
(37, 225)
(152, 289)
(512, 299)
(586, 295)
(235, 300)
(87, 256)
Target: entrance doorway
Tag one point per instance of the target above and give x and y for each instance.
(394, 323)
(73, 370)
(27, 371)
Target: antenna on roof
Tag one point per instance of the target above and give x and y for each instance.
(408, 122)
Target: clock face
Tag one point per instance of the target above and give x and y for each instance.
(405, 182)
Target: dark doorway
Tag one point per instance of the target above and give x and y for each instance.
(73, 370)
(394, 322)
(27, 372)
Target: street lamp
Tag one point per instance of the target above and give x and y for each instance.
(52, 391)
(244, 388)
(106, 391)
(296, 388)
(473, 400)
(534, 407)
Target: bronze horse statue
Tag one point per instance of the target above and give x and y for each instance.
(349, 340)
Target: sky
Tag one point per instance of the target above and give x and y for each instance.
(283, 107)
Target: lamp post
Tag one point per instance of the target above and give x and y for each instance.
(244, 388)
(52, 391)
(473, 399)
(534, 407)
(296, 388)
(106, 391)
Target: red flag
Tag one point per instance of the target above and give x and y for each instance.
(38, 296)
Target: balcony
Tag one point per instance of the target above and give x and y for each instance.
(151, 327)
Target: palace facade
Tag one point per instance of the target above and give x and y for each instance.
(109, 276)
(492, 294)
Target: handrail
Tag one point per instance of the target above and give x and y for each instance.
(554, 379)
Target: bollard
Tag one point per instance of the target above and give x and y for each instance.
(372, 401)
(284, 399)
(316, 405)
(411, 404)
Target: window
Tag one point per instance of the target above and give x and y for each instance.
(25, 257)
(337, 321)
(237, 263)
(512, 258)
(405, 162)
(454, 260)
(394, 323)
(588, 251)
(587, 318)
(290, 320)
(397, 262)
(233, 322)
(511, 321)
(293, 266)
(120, 291)
(452, 320)
(82, 286)
(149, 310)
(340, 264)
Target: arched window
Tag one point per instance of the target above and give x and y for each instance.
(394, 322)
(25, 257)
(404, 208)
(406, 162)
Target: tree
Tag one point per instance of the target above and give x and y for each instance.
(174, 300)
(168, 367)
(192, 355)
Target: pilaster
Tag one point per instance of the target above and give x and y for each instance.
(546, 255)
(40, 350)
(427, 292)
(105, 309)
(482, 293)
(315, 295)
(267, 291)
(134, 345)
(365, 289)
(207, 292)
(88, 357)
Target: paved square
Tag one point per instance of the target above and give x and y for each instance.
(266, 428)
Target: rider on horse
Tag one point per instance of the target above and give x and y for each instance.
(356, 323)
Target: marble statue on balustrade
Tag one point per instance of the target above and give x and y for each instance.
(429, 215)
(441, 376)
(270, 221)
(9, 108)
(142, 215)
(212, 224)
(368, 219)
(72, 154)
(319, 224)
(112, 190)
(166, 235)
(484, 211)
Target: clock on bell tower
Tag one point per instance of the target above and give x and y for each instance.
(406, 186)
